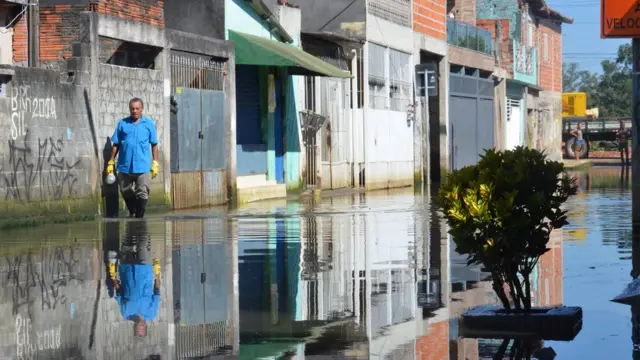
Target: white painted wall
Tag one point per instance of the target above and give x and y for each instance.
(389, 149)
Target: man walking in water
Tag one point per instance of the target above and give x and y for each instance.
(135, 141)
(623, 135)
(577, 132)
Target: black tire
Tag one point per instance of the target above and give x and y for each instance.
(584, 152)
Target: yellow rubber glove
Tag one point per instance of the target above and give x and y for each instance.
(110, 166)
(155, 168)
(156, 266)
(112, 271)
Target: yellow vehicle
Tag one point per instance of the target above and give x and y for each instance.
(574, 104)
(594, 128)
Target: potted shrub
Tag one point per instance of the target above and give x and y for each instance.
(501, 213)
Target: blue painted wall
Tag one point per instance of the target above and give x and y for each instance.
(293, 147)
(239, 16)
(502, 9)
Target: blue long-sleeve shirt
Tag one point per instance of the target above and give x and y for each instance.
(137, 295)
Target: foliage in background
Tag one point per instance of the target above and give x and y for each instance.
(609, 91)
(501, 213)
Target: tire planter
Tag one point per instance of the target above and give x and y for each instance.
(584, 153)
(561, 323)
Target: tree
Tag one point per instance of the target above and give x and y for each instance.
(501, 213)
(609, 91)
(613, 93)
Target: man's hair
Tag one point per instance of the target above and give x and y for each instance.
(135, 100)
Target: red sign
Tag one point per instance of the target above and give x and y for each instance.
(619, 19)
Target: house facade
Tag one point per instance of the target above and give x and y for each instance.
(369, 132)
(529, 40)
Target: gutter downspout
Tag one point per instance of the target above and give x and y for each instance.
(354, 106)
(365, 113)
(525, 115)
(263, 10)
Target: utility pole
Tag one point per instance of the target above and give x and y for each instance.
(34, 33)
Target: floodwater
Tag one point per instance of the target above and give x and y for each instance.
(357, 277)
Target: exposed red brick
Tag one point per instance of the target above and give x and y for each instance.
(434, 345)
(430, 18)
(504, 47)
(550, 68)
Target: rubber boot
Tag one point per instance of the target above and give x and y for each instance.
(131, 206)
(140, 208)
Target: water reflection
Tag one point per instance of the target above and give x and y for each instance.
(360, 277)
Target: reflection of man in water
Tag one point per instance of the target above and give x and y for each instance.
(137, 288)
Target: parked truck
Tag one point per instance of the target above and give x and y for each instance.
(596, 130)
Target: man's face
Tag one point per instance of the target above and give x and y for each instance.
(621, 124)
(135, 108)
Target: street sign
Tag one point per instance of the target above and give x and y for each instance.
(619, 19)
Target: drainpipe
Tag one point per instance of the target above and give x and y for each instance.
(525, 115)
(365, 109)
(354, 106)
(33, 36)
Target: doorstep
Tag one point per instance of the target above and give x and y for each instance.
(263, 192)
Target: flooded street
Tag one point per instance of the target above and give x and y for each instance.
(355, 276)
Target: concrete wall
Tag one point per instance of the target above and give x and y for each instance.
(470, 58)
(118, 84)
(199, 17)
(47, 149)
(545, 123)
(345, 17)
(239, 16)
(55, 304)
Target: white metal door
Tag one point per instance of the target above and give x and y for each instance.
(513, 129)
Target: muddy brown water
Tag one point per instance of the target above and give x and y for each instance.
(361, 277)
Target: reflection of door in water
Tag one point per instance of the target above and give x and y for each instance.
(279, 133)
(513, 130)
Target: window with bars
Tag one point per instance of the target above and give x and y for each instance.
(546, 46)
(377, 76)
(389, 77)
(399, 80)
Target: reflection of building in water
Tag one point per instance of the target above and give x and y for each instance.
(55, 304)
(203, 291)
(547, 288)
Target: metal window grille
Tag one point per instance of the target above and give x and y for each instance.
(399, 80)
(377, 77)
(192, 71)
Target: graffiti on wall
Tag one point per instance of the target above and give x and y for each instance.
(44, 172)
(26, 108)
(41, 281)
(28, 345)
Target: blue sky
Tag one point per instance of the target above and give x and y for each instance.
(581, 40)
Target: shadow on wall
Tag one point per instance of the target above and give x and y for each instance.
(109, 192)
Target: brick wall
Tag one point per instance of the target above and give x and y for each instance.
(61, 25)
(434, 345)
(146, 11)
(463, 10)
(550, 67)
(20, 42)
(503, 47)
(429, 18)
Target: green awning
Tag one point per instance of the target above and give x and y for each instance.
(254, 50)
